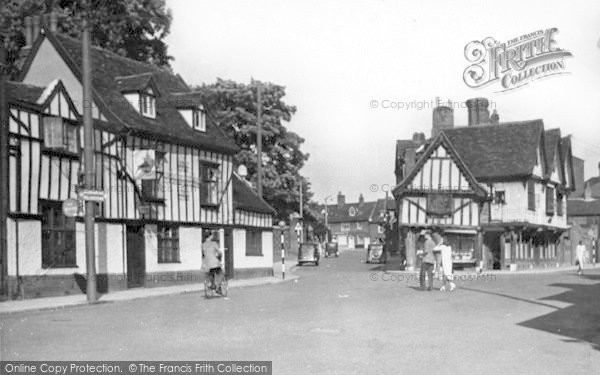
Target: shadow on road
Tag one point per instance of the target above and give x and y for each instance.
(580, 321)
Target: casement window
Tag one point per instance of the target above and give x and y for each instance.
(60, 134)
(499, 197)
(253, 242)
(549, 201)
(559, 204)
(199, 120)
(58, 236)
(209, 192)
(531, 195)
(153, 189)
(168, 243)
(358, 226)
(345, 227)
(148, 104)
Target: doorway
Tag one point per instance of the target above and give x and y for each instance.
(136, 259)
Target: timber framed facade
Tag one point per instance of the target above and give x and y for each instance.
(167, 176)
(497, 191)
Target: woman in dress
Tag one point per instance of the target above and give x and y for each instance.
(446, 252)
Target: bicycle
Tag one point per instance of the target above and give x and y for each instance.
(210, 290)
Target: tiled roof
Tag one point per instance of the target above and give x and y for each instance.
(580, 207)
(135, 82)
(342, 214)
(168, 125)
(23, 93)
(381, 206)
(498, 151)
(245, 198)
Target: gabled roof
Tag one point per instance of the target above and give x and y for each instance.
(245, 198)
(552, 145)
(441, 139)
(380, 206)
(192, 99)
(497, 152)
(567, 154)
(168, 126)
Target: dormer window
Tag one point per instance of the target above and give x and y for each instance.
(195, 117)
(148, 104)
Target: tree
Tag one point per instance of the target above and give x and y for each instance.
(131, 28)
(233, 106)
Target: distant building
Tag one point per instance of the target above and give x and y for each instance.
(356, 225)
(497, 190)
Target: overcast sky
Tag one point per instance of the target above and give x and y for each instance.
(336, 57)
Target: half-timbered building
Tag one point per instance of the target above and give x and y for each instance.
(496, 190)
(165, 168)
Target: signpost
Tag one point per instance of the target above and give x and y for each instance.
(282, 226)
(92, 195)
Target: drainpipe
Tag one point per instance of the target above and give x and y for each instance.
(3, 171)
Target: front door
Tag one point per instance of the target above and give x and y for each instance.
(351, 242)
(229, 270)
(136, 260)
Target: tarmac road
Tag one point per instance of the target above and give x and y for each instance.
(343, 316)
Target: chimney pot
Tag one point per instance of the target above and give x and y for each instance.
(35, 27)
(361, 200)
(442, 118)
(28, 32)
(341, 200)
(478, 111)
(53, 22)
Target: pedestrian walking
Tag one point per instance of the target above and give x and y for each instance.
(580, 253)
(446, 255)
(211, 259)
(427, 262)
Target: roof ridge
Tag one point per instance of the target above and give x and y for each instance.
(501, 124)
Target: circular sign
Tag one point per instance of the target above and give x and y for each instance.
(70, 207)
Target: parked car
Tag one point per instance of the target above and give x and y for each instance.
(331, 249)
(376, 253)
(308, 253)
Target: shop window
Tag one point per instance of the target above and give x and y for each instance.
(58, 237)
(253, 242)
(168, 243)
(60, 134)
(209, 193)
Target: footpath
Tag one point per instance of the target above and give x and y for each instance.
(51, 303)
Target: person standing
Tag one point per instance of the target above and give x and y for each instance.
(446, 255)
(211, 259)
(427, 262)
(580, 253)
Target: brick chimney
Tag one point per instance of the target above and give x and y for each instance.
(361, 200)
(341, 200)
(479, 113)
(442, 118)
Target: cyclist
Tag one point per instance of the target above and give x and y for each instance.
(211, 259)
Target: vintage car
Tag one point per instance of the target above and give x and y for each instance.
(331, 249)
(308, 253)
(376, 253)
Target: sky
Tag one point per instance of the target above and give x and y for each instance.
(344, 63)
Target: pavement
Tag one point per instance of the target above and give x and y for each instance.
(342, 317)
(48, 303)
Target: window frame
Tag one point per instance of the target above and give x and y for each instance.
(254, 242)
(207, 185)
(148, 104)
(168, 234)
(500, 197)
(66, 126)
(65, 227)
(345, 227)
(199, 119)
(156, 185)
(531, 198)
